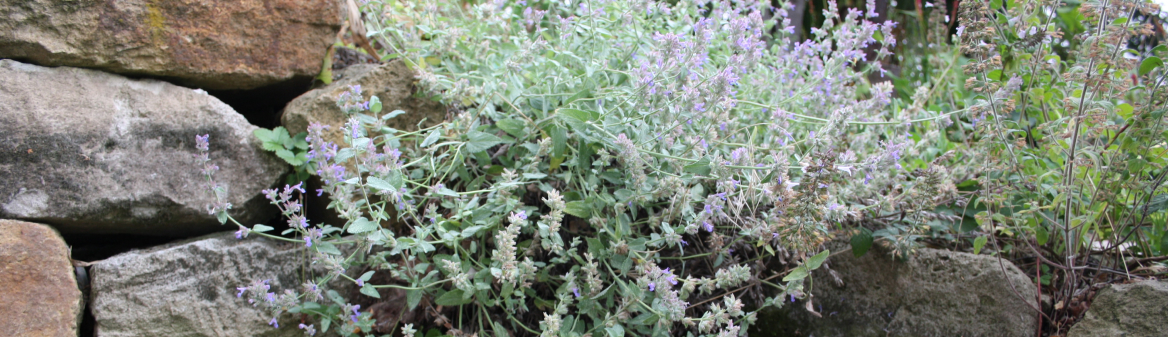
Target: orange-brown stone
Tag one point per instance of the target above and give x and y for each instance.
(239, 44)
(39, 296)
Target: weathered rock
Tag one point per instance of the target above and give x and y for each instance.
(40, 295)
(203, 43)
(188, 288)
(392, 83)
(1131, 310)
(90, 152)
(934, 293)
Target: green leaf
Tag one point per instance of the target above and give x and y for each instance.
(478, 141)
(511, 126)
(1150, 64)
(644, 319)
(978, 243)
(375, 105)
(861, 242)
(583, 94)
(288, 157)
(1158, 203)
(261, 228)
(579, 208)
(431, 138)
(300, 141)
(796, 274)
(368, 290)
(413, 297)
(814, 262)
(263, 134)
(366, 276)
(615, 331)
(362, 225)
(379, 184)
(1124, 110)
(559, 140)
(393, 114)
(452, 298)
(701, 167)
(327, 248)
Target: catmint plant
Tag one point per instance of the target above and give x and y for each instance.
(611, 168)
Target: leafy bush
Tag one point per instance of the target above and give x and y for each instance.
(643, 168)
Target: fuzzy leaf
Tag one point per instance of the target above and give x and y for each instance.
(368, 290)
(701, 167)
(261, 228)
(431, 138)
(478, 141)
(579, 208)
(452, 298)
(362, 225)
(511, 126)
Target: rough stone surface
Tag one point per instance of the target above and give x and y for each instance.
(188, 288)
(1130, 310)
(90, 152)
(39, 296)
(392, 83)
(934, 293)
(239, 44)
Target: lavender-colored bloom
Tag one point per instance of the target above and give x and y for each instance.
(652, 286)
(356, 313)
(706, 224)
(273, 323)
(576, 291)
(307, 241)
(271, 297)
(308, 329)
(241, 291)
(360, 283)
(202, 143)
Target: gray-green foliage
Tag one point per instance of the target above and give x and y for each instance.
(617, 167)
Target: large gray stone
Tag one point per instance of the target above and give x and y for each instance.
(90, 152)
(39, 296)
(933, 293)
(1132, 310)
(188, 288)
(240, 44)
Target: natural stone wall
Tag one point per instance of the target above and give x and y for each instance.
(239, 44)
(90, 152)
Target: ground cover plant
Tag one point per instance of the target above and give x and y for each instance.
(655, 168)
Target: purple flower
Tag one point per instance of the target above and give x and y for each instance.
(360, 283)
(307, 241)
(522, 215)
(706, 224)
(241, 291)
(201, 142)
(652, 286)
(576, 291)
(271, 297)
(274, 323)
(356, 313)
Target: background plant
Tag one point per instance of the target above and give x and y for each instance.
(1060, 140)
